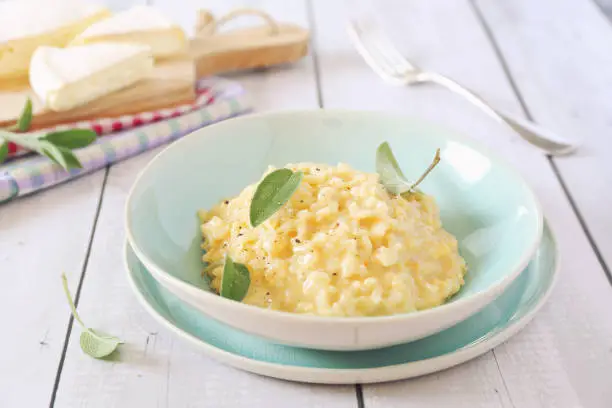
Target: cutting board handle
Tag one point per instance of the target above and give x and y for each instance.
(207, 25)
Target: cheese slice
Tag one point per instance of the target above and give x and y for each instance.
(139, 24)
(64, 78)
(27, 24)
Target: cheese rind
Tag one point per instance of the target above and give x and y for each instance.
(64, 78)
(139, 24)
(28, 24)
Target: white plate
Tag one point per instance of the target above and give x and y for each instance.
(480, 333)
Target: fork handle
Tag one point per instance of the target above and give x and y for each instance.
(542, 138)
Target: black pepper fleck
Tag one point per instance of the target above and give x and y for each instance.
(298, 241)
(226, 202)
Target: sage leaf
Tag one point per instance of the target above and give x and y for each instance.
(71, 160)
(71, 139)
(97, 346)
(25, 118)
(236, 280)
(62, 156)
(391, 175)
(389, 171)
(53, 153)
(93, 343)
(3, 150)
(272, 193)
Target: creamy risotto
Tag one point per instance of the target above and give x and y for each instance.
(341, 246)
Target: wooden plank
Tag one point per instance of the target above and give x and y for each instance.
(156, 367)
(40, 236)
(563, 58)
(559, 51)
(476, 384)
(562, 358)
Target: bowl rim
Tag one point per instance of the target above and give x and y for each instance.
(492, 291)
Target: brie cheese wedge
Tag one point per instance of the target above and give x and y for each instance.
(139, 24)
(27, 24)
(64, 78)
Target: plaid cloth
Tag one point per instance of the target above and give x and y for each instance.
(27, 175)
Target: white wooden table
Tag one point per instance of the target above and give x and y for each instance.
(549, 59)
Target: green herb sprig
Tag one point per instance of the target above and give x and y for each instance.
(391, 175)
(54, 145)
(272, 193)
(94, 343)
(236, 280)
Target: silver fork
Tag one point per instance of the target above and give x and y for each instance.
(382, 56)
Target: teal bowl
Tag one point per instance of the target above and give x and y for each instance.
(483, 202)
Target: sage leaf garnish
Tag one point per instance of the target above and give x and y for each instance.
(236, 280)
(391, 175)
(272, 193)
(389, 171)
(94, 343)
(54, 145)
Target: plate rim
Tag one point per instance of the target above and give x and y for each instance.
(316, 375)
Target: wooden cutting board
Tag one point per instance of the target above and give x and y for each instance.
(171, 83)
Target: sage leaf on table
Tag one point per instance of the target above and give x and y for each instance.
(94, 343)
(54, 145)
(272, 193)
(236, 280)
(97, 344)
(391, 175)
